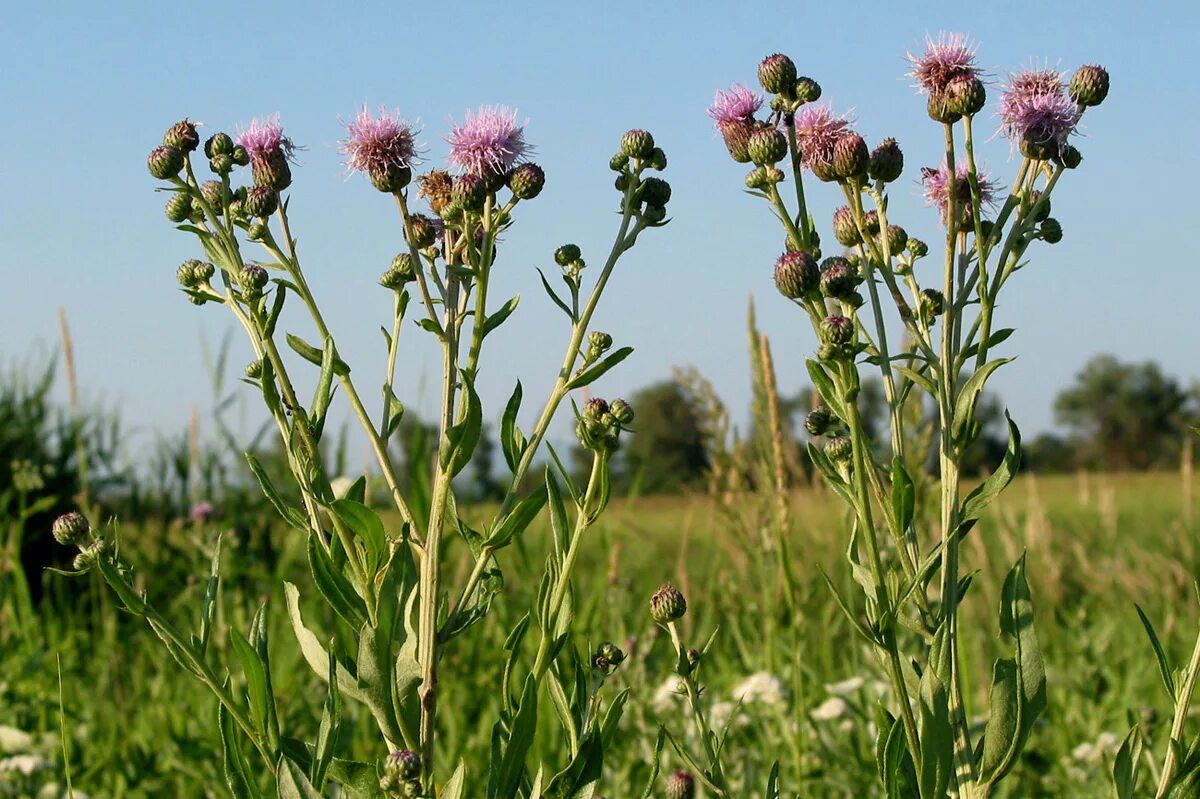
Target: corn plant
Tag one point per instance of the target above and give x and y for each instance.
(394, 610)
(908, 566)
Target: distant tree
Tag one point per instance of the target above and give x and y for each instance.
(1049, 453)
(1124, 416)
(666, 451)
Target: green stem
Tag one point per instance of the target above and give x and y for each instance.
(794, 157)
(716, 774)
(1183, 703)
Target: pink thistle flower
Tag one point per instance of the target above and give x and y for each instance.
(818, 132)
(264, 139)
(1034, 106)
(379, 144)
(489, 142)
(936, 183)
(738, 104)
(952, 55)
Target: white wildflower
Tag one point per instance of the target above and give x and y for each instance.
(846, 687)
(832, 708)
(762, 687)
(24, 764)
(14, 740)
(666, 696)
(721, 713)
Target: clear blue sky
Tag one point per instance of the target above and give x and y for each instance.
(88, 89)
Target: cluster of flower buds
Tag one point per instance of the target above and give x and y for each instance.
(932, 305)
(570, 259)
(638, 153)
(681, 785)
(601, 423)
(599, 343)
(607, 658)
(667, 605)
(401, 775)
(821, 422)
(400, 273)
(194, 275)
(836, 334)
(73, 530)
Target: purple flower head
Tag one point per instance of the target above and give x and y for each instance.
(489, 142)
(202, 511)
(264, 139)
(937, 190)
(1034, 105)
(738, 104)
(377, 144)
(952, 55)
(818, 132)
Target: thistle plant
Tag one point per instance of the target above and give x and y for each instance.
(910, 567)
(393, 613)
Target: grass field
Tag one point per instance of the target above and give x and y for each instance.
(1096, 545)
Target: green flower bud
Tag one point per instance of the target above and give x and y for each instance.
(622, 412)
(777, 74)
(871, 222)
(619, 162)
(89, 555)
(213, 192)
(839, 449)
(595, 409)
(637, 143)
(567, 254)
(681, 785)
(965, 95)
(253, 279)
(657, 159)
(845, 229)
(240, 155)
(258, 230)
(1068, 156)
(607, 657)
(470, 192)
(667, 605)
(261, 201)
(767, 146)
(390, 178)
(933, 305)
(404, 764)
(807, 90)
(272, 170)
(736, 133)
(254, 369)
(818, 421)
(179, 207)
(599, 341)
(838, 279)
(1051, 231)
(939, 109)
(182, 136)
(1089, 85)
(796, 274)
(656, 191)
(887, 161)
(401, 272)
(836, 330)
(218, 144)
(896, 237)
(70, 529)
(423, 231)
(850, 157)
(221, 164)
(1036, 146)
(917, 248)
(165, 162)
(186, 274)
(526, 181)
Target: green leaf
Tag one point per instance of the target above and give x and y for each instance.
(937, 734)
(895, 764)
(772, 791)
(553, 296)
(289, 514)
(324, 392)
(461, 439)
(997, 337)
(655, 763)
(1127, 763)
(1164, 667)
(292, 782)
(919, 378)
(968, 397)
(904, 496)
(328, 731)
(366, 524)
(333, 585)
(845, 608)
(455, 786)
(593, 373)
(560, 529)
(495, 320)
(276, 309)
(315, 356)
(825, 387)
(256, 679)
(209, 608)
(315, 654)
(511, 440)
(517, 520)
(580, 779)
(238, 775)
(999, 480)
(505, 779)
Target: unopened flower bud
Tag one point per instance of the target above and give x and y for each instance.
(1068, 156)
(240, 155)
(595, 409)
(218, 144)
(681, 785)
(182, 136)
(818, 421)
(89, 555)
(1051, 230)
(836, 330)
(470, 192)
(807, 90)
(939, 109)
(667, 604)
(796, 274)
(736, 133)
(656, 191)
(254, 369)
(253, 279)
(607, 657)
(1036, 145)
(272, 170)
(917, 248)
(657, 159)
(838, 279)
(423, 231)
(186, 273)
(258, 230)
(389, 178)
(637, 143)
(213, 192)
(599, 341)
(567, 254)
(621, 411)
(403, 764)
(527, 181)
(839, 448)
(221, 164)
(401, 272)
(1040, 212)
(777, 74)
(767, 146)
(165, 162)
(179, 207)
(845, 228)
(896, 238)
(261, 201)
(887, 161)
(1089, 85)
(70, 529)
(850, 157)
(619, 162)
(933, 305)
(965, 95)
(871, 222)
